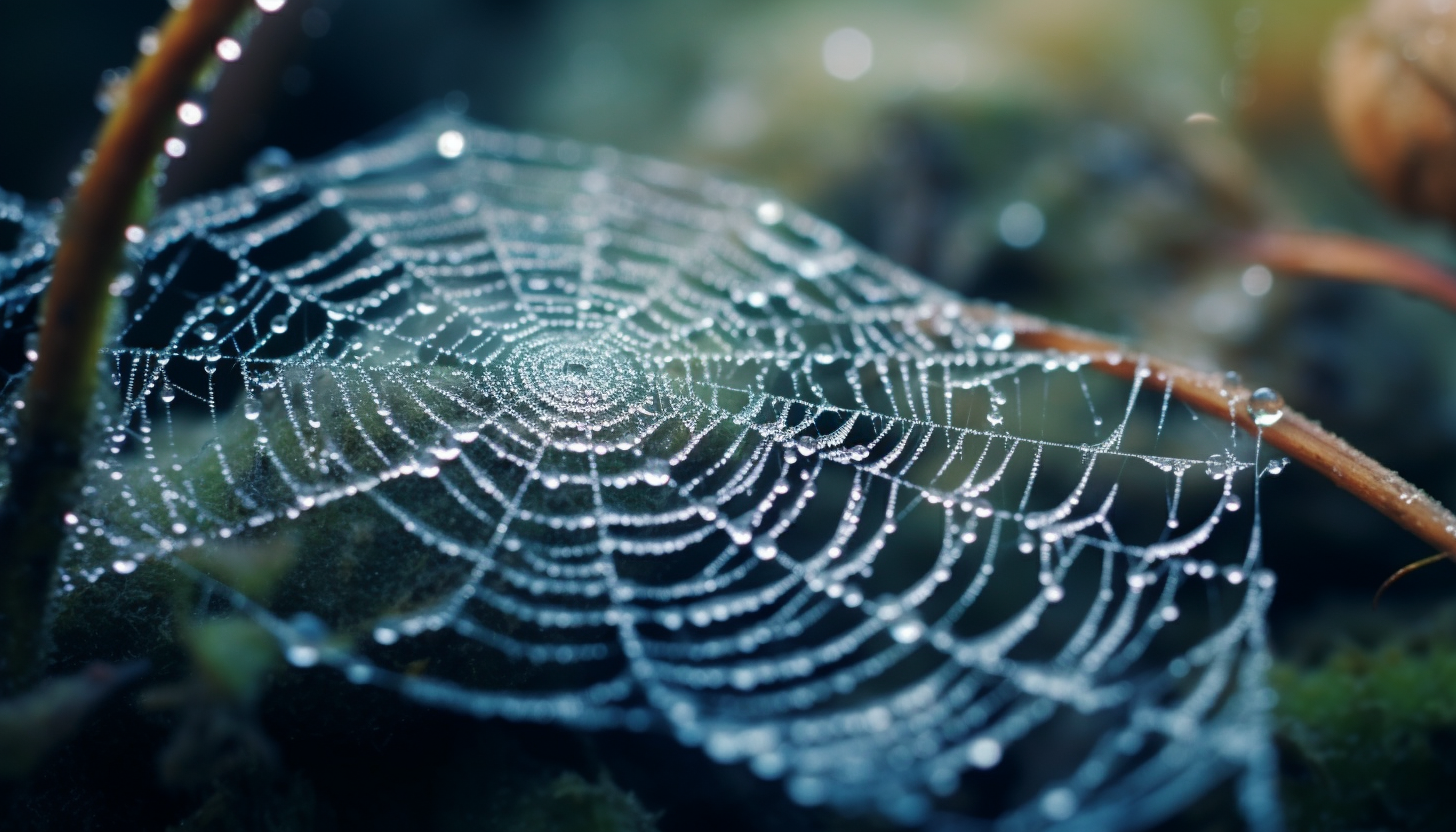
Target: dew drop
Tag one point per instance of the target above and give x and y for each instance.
(1266, 407)
(769, 212)
(656, 472)
(450, 144)
(207, 331)
(252, 409)
(984, 752)
(907, 629)
(1059, 803)
(1025, 543)
(279, 324)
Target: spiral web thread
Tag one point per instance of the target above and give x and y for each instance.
(615, 444)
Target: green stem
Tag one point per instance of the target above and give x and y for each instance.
(58, 399)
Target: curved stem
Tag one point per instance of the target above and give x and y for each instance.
(1304, 440)
(1351, 259)
(45, 466)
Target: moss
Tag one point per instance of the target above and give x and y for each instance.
(570, 803)
(1368, 739)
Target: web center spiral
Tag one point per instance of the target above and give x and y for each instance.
(578, 379)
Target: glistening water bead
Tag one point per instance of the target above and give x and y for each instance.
(1266, 407)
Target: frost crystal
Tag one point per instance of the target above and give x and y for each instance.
(616, 444)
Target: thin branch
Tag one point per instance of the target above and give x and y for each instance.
(1294, 434)
(45, 465)
(1406, 570)
(1351, 259)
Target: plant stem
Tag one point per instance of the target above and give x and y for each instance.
(1348, 258)
(1304, 440)
(45, 464)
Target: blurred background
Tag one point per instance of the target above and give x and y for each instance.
(1085, 160)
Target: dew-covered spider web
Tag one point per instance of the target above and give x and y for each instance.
(564, 435)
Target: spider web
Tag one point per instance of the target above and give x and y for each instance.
(602, 441)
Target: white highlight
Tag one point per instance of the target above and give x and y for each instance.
(1021, 225)
(189, 114)
(229, 50)
(848, 54)
(450, 144)
(1257, 281)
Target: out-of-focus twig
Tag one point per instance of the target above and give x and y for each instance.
(57, 401)
(1348, 258)
(1406, 570)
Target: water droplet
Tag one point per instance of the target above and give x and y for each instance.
(765, 549)
(229, 50)
(907, 629)
(207, 331)
(1059, 803)
(996, 336)
(1265, 407)
(656, 472)
(984, 752)
(252, 409)
(450, 144)
(741, 531)
(125, 566)
(1025, 543)
(769, 213)
(279, 324)
(189, 113)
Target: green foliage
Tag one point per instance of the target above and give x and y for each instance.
(1368, 740)
(570, 803)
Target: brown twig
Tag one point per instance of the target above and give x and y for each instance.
(1349, 258)
(1406, 570)
(1294, 434)
(45, 466)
